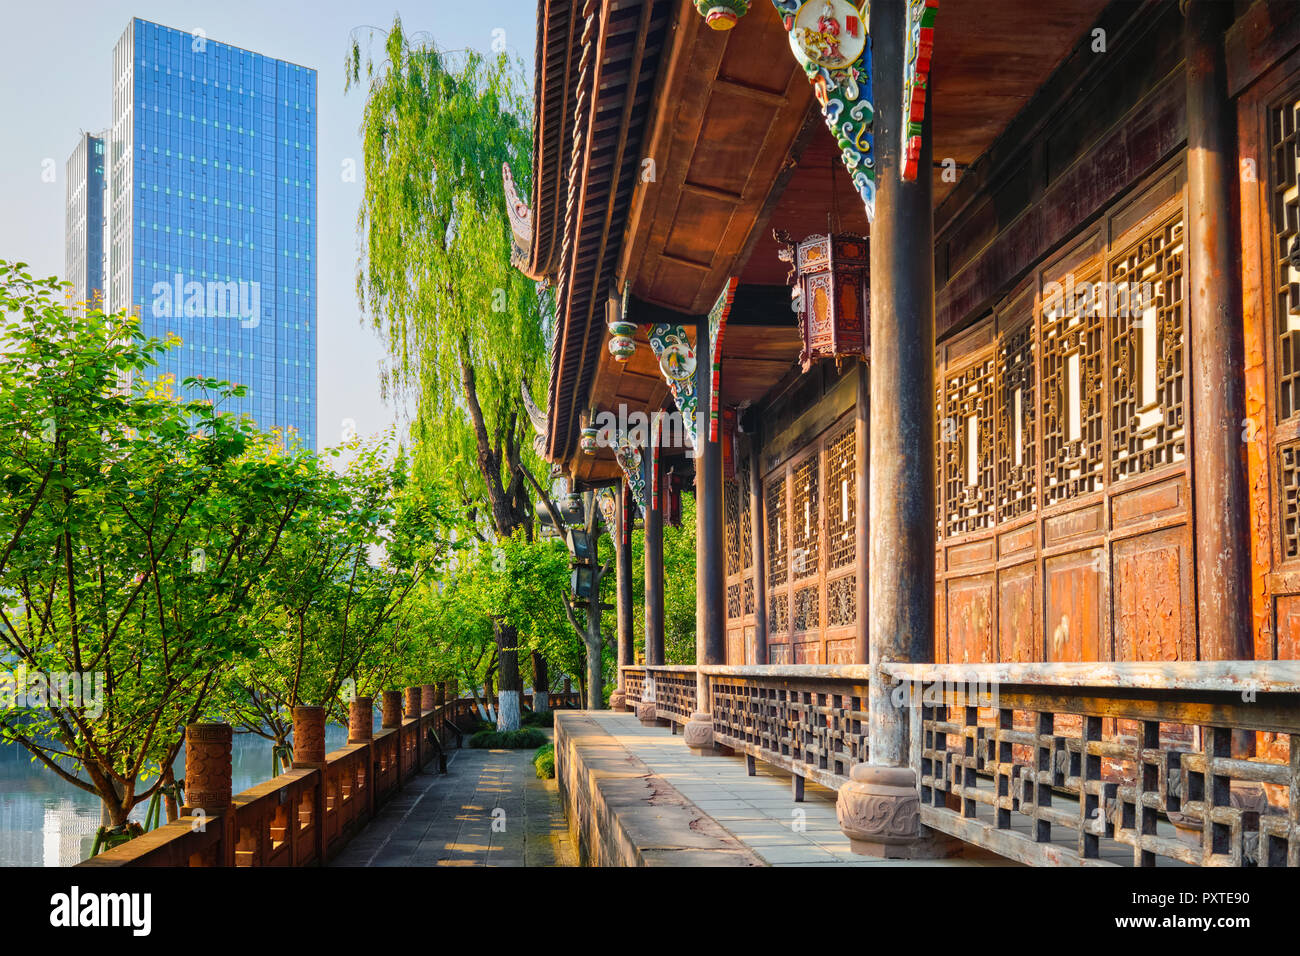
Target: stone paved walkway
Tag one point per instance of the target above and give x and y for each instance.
(760, 810)
(448, 819)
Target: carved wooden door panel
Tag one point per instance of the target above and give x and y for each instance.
(1062, 454)
(1269, 144)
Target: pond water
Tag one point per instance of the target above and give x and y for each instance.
(46, 821)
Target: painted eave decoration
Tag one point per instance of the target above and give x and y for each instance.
(831, 41)
(916, 78)
(677, 360)
(521, 222)
(622, 345)
(628, 456)
(717, 329)
(722, 14)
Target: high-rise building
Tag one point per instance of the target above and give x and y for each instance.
(83, 247)
(211, 215)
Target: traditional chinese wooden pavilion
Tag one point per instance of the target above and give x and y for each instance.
(985, 318)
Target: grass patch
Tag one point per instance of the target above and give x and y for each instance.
(544, 761)
(521, 739)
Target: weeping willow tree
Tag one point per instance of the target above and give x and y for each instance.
(463, 328)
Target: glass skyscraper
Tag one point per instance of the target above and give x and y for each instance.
(83, 248)
(211, 217)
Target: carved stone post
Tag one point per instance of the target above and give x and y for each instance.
(208, 767)
(208, 776)
(710, 581)
(414, 699)
(392, 710)
(879, 807)
(428, 696)
(361, 720)
(623, 572)
(440, 694)
(308, 737)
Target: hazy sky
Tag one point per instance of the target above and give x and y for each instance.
(55, 80)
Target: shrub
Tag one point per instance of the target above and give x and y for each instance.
(521, 739)
(544, 761)
(533, 719)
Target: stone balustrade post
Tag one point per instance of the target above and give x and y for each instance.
(392, 710)
(361, 720)
(308, 737)
(209, 772)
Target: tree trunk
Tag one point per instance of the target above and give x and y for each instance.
(595, 667)
(511, 687)
(541, 685)
(169, 798)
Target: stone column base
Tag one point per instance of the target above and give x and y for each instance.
(618, 702)
(645, 712)
(879, 810)
(698, 732)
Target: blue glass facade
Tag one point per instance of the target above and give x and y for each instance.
(222, 209)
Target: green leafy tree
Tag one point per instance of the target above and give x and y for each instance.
(134, 527)
(463, 328)
(333, 597)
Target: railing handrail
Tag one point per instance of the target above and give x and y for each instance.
(1274, 677)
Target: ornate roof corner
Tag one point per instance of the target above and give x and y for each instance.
(536, 417)
(521, 223)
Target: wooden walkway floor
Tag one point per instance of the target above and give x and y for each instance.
(489, 809)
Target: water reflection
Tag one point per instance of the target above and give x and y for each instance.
(46, 821)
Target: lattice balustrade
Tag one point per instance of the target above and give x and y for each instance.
(1072, 391)
(674, 693)
(815, 728)
(1017, 477)
(1042, 776)
(1286, 219)
(805, 520)
(634, 683)
(1146, 353)
(968, 480)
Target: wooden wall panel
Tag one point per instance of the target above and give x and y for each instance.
(1019, 633)
(970, 619)
(1074, 623)
(1155, 604)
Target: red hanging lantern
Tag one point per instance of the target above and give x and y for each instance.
(830, 290)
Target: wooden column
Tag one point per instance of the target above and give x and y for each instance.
(654, 568)
(710, 576)
(1223, 568)
(901, 461)
(623, 586)
(759, 551)
(710, 545)
(862, 529)
(878, 808)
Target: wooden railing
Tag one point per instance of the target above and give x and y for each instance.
(633, 684)
(1093, 764)
(1111, 763)
(674, 692)
(808, 719)
(305, 816)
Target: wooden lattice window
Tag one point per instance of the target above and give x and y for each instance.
(1289, 460)
(1016, 419)
(778, 613)
(842, 601)
(807, 609)
(1145, 300)
(778, 530)
(1072, 380)
(1286, 220)
(731, 511)
(746, 515)
(733, 600)
(806, 530)
(968, 464)
(841, 497)
(941, 437)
